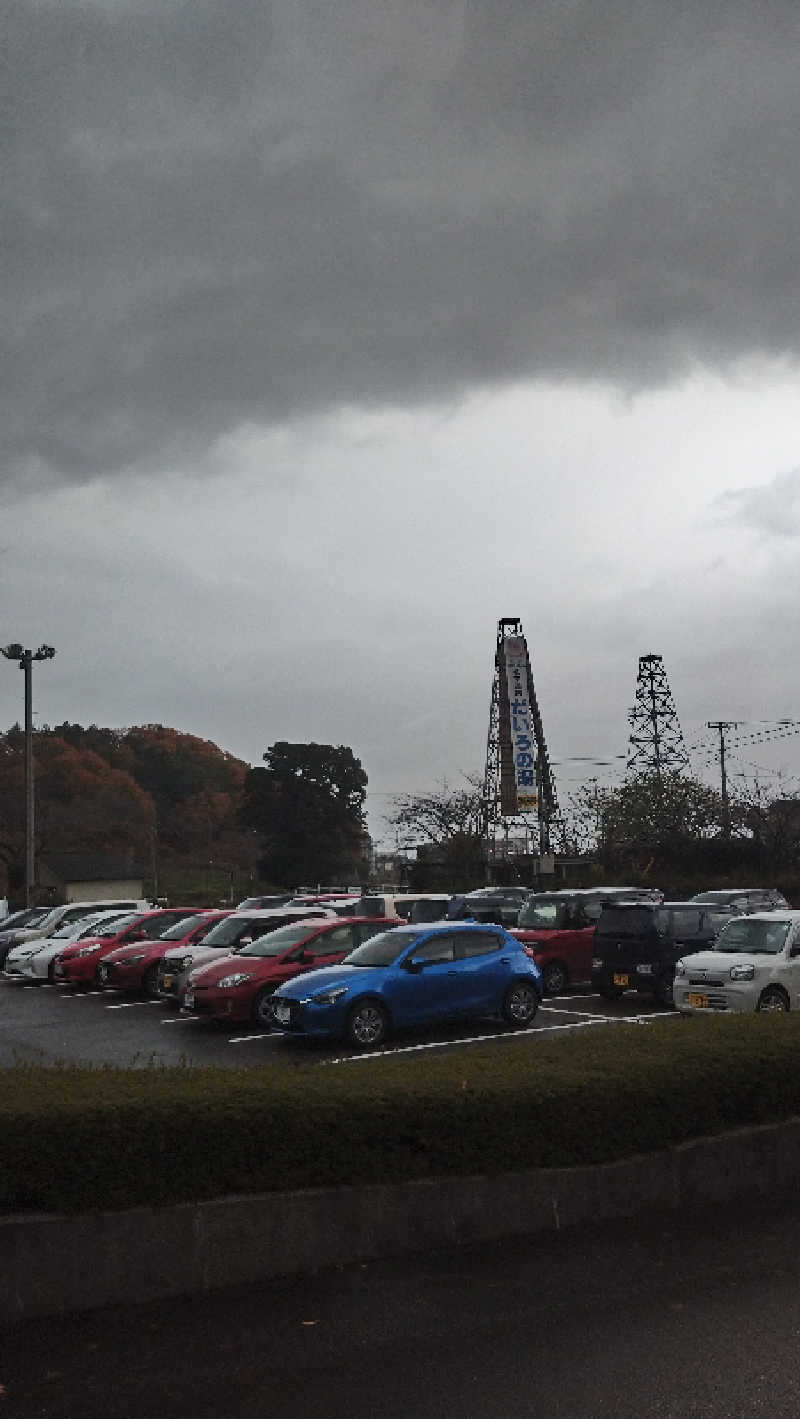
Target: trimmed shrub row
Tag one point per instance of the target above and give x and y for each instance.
(75, 1139)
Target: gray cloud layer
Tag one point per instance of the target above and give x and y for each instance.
(221, 213)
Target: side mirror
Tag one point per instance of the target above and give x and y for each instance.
(413, 967)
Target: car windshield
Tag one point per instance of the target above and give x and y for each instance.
(110, 928)
(625, 921)
(720, 899)
(541, 912)
(179, 929)
(276, 942)
(69, 928)
(228, 931)
(380, 950)
(752, 937)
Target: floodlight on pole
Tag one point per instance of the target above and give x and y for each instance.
(25, 659)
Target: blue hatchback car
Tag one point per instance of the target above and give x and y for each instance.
(413, 975)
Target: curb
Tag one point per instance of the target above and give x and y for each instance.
(56, 1264)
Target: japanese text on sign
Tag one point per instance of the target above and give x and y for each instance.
(522, 737)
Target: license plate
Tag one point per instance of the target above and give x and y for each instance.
(58, 970)
(166, 982)
(282, 1012)
(698, 1002)
(103, 972)
(621, 980)
(188, 1000)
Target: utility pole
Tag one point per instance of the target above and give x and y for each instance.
(25, 659)
(721, 725)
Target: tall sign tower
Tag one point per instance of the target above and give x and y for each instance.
(518, 788)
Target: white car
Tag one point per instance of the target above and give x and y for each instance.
(754, 966)
(32, 960)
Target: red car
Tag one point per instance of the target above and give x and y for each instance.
(78, 963)
(240, 986)
(135, 966)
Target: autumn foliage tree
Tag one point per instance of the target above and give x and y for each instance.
(107, 790)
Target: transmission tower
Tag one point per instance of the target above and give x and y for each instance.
(655, 745)
(518, 780)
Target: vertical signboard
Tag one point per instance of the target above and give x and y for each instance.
(523, 743)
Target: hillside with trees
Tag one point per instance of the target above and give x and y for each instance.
(168, 801)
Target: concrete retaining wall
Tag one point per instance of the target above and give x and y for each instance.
(55, 1264)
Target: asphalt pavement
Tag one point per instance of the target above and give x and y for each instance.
(694, 1316)
(47, 1024)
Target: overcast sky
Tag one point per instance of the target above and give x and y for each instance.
(333, 333)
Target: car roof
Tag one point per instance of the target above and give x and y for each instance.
(421, 928)
(595, 891)
(781, 913)
(266, 913)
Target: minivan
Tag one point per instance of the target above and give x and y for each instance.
(636, 945)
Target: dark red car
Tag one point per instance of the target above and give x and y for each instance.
(77, 964)
(240, 986)
(135, 966)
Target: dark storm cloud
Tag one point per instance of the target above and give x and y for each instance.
(220, 213)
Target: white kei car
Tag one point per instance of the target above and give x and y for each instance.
(33, 960)
(755, 965)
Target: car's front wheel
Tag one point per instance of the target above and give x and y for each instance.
(150, 983)
(554, 978)
(262, 1009)
(665, 992)
(773, 998)
(520, 1004)
(367, 1025)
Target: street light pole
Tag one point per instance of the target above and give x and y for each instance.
(25, 659)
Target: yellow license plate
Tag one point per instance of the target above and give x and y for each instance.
(166, 982)
(621, 980)
(698, 1002)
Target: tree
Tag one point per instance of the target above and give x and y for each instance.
(446, 825)
(308, 807)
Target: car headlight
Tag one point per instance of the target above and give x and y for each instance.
(238, 978)
(742, 972)
(87, 951)
(326, 997)
(129, 960)
(680, 968)
(644, 970)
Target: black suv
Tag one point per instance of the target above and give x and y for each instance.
(636, 945)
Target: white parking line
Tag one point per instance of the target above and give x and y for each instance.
(591, 1014)
(131, 1004)
(516, 1034)
(79, 994)
(183, 1020)
(245, 1039)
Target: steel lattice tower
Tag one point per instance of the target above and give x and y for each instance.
(655, 745)
(499, 791)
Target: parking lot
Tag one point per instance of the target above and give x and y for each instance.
(45, 1024)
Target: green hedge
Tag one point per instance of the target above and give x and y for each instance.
(74, 1139)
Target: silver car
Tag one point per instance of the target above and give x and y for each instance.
(755, 966)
